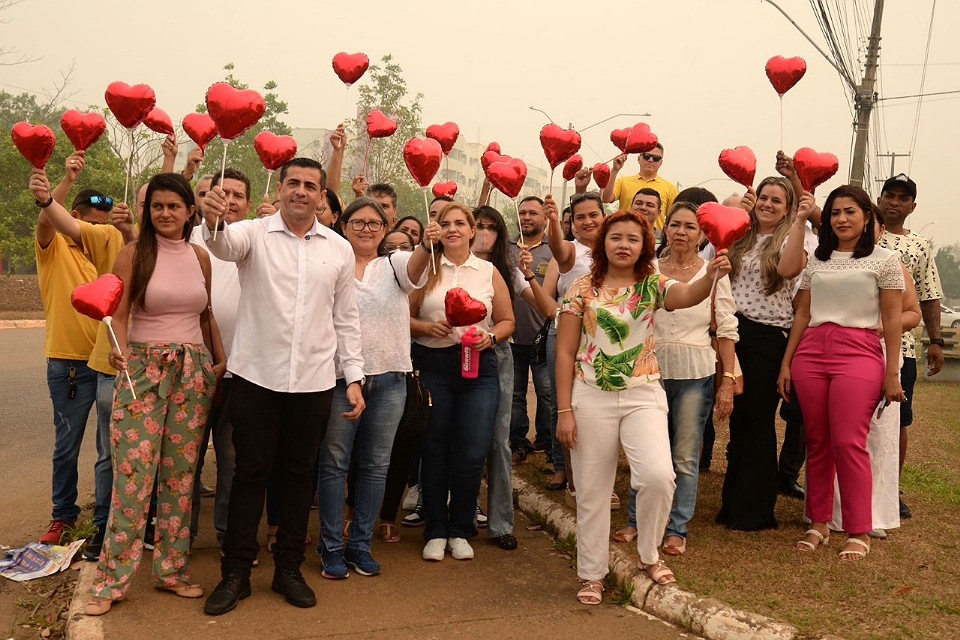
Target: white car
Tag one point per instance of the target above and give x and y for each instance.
(949, 317)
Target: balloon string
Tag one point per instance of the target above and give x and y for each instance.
(113, 337)
(446, 167)
(516, 203)
(126, 186)
(549, 190)
(426, 207)
(223, 169)
(266, 192)
(713, 286)
(346, 105)
(366, 155)
(781, 124)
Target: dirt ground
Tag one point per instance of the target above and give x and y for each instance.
(20, 298)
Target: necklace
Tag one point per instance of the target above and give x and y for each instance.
(679, 267)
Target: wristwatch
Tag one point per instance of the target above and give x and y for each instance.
(362, 382)
(937, 341)
(493, 337)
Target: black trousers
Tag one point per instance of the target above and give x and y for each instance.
(272, 431)
(793, 453)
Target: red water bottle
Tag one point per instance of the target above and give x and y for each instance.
(470, 357)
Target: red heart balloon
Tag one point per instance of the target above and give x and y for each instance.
(379, 125)
(493, 146)
(558, 143)
(35, 143)
(448, 189)
(783, 73)
(739, 164)
(350, 67)
(722, 225)
(572, 166)
(463, 310)
(619, 138)
(814, 168)
(100, 298)
(234, 111)
(274, 151)
(640, 139)
(508, 175)
(446, 134)
(200, 128)
(130, 105)
(422, 157)
(601, 174)
(158, 120)
(489, 157)
(83, 129)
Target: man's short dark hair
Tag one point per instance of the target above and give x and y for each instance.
(647, 191)
(232, 174)
(438, 199)
(529, 198)
(381, 189)
(302, 163)
(81, 204)
(659, 146)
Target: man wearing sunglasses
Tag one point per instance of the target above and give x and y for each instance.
(624, 189)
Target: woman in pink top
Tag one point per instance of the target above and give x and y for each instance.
(167, 352)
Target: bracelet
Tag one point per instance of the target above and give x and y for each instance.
(732, 376)
(529, 278)
(559, 411)
(937, 341)
(43, 205)
(424, 247)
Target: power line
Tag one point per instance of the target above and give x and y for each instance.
(921, 95)
(923, 78)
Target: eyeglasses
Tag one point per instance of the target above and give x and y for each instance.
(373, 225)
(486, 226)
(403, 246)
(589, 195)
(103, 203)
(649, 157)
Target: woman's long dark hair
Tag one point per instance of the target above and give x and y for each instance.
(145, 258)
(828, 241)
(642, 268)
(499, 255)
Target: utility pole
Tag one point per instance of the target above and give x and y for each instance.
(893, 163)
(865, 98)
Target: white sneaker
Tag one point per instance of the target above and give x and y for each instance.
(460, 549)
(434, 549)
(410, 500)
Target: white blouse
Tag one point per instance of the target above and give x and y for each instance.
(476, 277)
(749, 294)
(581, 267)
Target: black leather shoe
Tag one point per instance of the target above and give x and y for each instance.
(294, 588)
(792, 490)
(905, 511)
(232, 589)
(506, 542)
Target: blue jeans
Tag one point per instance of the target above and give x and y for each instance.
(66, 378)
(457, 440)
(372, 435)
(103, 469)
(524, 360)
(689, 403)
(556, 449)
(500, 460)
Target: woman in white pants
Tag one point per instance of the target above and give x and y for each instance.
(609, 394)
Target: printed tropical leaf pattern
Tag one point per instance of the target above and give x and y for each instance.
(616, 329)
(612, 371)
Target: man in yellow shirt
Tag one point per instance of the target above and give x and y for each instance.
(623, 189)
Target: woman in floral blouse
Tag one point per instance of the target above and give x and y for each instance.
(609, 394)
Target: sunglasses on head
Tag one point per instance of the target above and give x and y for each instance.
(103, 203)
(589, 195)
(649, 157)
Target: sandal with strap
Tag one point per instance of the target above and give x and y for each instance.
(627, 534)
(674, 549)
(855, 554)
(183, 589)
(389, 532)
(805, 546)
(97, 606)
(591, 593)
(659, 572)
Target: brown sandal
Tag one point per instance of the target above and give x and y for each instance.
(183, 589)
(673, 549)
(627, 534)
(591, 593)
(389, 532)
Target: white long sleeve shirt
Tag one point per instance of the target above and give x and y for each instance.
(298, 306)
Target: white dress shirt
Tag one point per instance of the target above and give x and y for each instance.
(224, 293)
(298, 306)
(475, 276)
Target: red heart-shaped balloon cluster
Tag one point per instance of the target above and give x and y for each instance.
(722, 225)
(274, 151)
(201, 128)
(379, 125)
(493, 146)
(489, 157)
(784, 73)
(100, 298)
(508, 175)
(83, 129)
(814, 168)
(448, 189)
(446, 134)
(233, 110)
(601, 174)
(558, 143)
(422, 157)
(640, 139)
(350, 67)
(34, 142)
(130, 105)
(462, 309)
(572, 166)
(740, 165)
(619, 138)
(158, 120)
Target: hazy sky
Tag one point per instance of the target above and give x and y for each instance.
(695, 65)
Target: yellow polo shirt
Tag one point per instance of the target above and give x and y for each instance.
(101, 244)
(61, 267)
(625, 188)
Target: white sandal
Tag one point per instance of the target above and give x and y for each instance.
(805, 546)
(855, 554)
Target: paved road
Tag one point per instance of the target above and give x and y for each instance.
(523, 594)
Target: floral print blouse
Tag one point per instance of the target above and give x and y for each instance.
(616, 343)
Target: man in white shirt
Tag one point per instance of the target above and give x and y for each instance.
(297, 311)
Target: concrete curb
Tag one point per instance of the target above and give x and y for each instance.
(22, 324)
(706, 617)
(79, 625)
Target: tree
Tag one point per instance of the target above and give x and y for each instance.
(240, 153)
(949, 267)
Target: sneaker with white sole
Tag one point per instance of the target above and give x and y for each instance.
(481, 518)
(412, 499)
(434, 549)
(415, 518)
(460, 549)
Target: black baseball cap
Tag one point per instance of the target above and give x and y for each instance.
(904, 182)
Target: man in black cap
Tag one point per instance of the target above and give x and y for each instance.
(898, 199)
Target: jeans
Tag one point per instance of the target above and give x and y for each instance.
(457, 440)
(103, 469)
(220, 429)
(556, 449)
(66, 378)
(371, 438)
(524, 360)
(500, 460)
